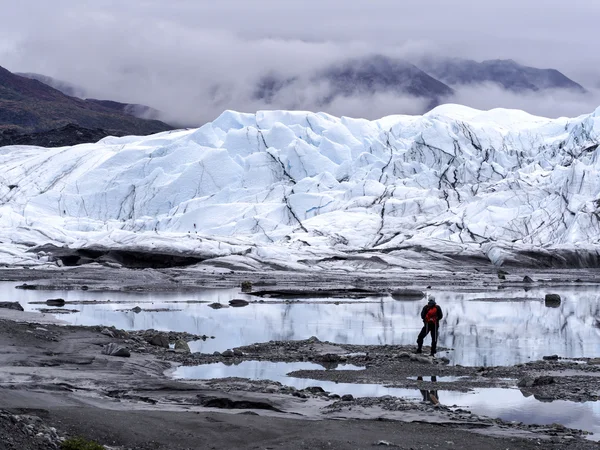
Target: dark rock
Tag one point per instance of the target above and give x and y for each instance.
(159, 340)
(137, 309)
(527, 279)
(28, 287)
(183, 346)
(328, 358)
(237, 352)
(407, 294)
(236, 303)
(501, 276)
(217, 306)
(107, 332)
(525, 382)
(347, 398)
(551, 358)
(227, 354)
(313, 340)
(216, 353)
(246, 286)
(552, 300)
(11, 305)
(113, 349)
(227, 403)
(315, 390)
(543, 381)
(55, 302)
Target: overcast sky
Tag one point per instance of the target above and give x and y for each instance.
(171, 54)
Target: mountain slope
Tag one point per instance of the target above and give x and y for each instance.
(365, 76)
(507, 74)
(379, 73)
(301, 190)
(30, 106)
(65, 87)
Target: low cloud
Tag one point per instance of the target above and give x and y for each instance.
(191, 61)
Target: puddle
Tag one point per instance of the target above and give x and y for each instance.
(506, 404)
(254, 370)
(481, 333)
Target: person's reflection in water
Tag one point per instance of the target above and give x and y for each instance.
(430, 396)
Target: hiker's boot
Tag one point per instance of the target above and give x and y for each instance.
(419, 350)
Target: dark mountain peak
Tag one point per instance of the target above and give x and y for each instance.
(506, 73)
(378, 73)
(30, 106)
(65, 87)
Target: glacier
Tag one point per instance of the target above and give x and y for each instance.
(301, 190)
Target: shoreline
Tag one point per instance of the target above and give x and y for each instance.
(58, 373)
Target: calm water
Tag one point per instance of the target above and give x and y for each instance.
(479, 332)
(507, 404)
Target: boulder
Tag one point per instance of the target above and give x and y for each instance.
(11, 305)
(237, 352)
(113, 349)
(552, 300)
(217, 306)
(525, 382)
(550, 358)
(315, 390)
(527, 279)
(236, 303)
(137, 309)
(159, 340)
(347, 398)
(183, 346)
(227, 354)
(543, 381)
(55, 302)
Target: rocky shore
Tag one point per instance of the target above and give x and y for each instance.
(117, 387)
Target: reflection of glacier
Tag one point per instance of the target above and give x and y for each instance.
(284, 186)
(481, 333)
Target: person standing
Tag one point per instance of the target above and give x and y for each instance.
(431, 315)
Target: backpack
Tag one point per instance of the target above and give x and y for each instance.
(431, 315)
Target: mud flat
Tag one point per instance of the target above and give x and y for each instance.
(59, 380)
(59, 374)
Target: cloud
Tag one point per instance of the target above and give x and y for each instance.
(193, 59)
(549, 103)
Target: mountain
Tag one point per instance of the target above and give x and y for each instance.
(382, 74)
(304, 191)
(72, 90)
(355, 77)
(31, 106)
(506, 73)
(432, 80)
(65, 87)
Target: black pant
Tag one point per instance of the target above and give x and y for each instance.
(429, 328)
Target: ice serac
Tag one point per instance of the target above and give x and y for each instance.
(300, 190)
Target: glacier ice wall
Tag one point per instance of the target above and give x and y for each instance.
(298, 187)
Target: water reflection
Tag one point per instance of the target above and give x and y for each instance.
(254, 370)
(507, 404)
(430, 395)
(479, 332)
